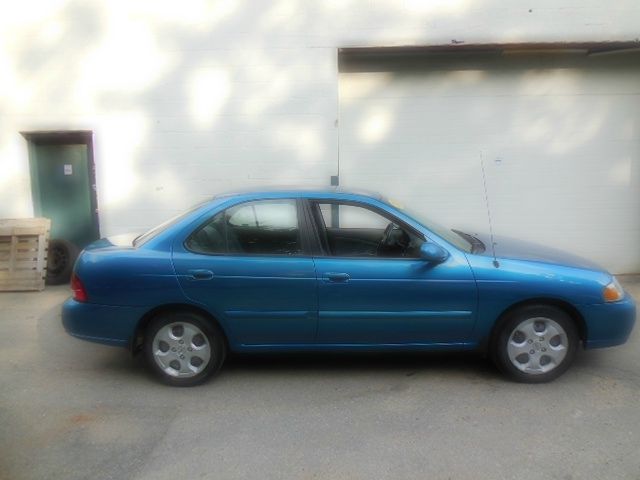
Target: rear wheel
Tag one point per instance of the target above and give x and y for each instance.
(183, 348)
(535, 344)
(60, 259)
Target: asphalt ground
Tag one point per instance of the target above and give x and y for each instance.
(76, 410)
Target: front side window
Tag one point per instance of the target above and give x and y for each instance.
(459, 239)
(348, 230)
(268, 227)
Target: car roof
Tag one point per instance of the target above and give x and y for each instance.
(299, 192)
(223, 200)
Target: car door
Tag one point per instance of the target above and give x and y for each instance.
(247, 265)
(384, 294)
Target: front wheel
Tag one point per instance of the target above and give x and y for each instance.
(183, 348)
(535, 344)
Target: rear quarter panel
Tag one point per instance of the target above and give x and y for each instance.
(128, 277)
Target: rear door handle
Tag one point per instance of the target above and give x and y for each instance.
(337, 277)
(200, 274)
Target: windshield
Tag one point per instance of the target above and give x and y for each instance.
(145, 237)
(448, 234)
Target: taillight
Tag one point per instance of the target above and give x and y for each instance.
(79, 293)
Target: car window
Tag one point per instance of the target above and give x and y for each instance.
(273, 215)
(145, 237)
(351, 216)
(448, 234)
(263, 227)
(268, 227)
(348, 230)
(210, 238)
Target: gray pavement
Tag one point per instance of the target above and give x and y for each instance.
(75, 410)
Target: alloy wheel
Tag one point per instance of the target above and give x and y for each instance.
(181, 349)
(537, 345)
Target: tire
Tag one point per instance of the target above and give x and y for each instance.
(183, 349)
(535, 344)
(61, 257)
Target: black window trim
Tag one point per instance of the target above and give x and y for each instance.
(318, 250)
(303, 234)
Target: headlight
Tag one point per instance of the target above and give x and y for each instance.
(613, 292)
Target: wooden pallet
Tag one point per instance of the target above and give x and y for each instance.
(23, 253)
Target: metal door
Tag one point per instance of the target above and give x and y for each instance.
(61, 188)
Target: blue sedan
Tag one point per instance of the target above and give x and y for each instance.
(327, 270)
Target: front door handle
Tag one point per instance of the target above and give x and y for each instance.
(200, 274)
(337, 277)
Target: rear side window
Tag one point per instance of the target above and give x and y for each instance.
(267, 227)
(145, 237)
(351, 216)
(210, 238)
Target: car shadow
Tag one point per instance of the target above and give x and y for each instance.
(405, 363)
(70, 351)
(470, 366)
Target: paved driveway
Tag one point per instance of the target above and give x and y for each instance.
(74, 410)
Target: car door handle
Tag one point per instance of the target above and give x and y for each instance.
(337, 277)
(200, 274)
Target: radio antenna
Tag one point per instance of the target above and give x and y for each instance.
(486, 201)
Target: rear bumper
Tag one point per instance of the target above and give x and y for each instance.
(104, 324)
(609, 324)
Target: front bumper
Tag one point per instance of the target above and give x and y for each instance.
(609, 324)
(106, 324)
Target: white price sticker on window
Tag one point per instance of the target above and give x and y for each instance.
(68, 169)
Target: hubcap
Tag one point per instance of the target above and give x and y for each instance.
(181, 349)
(537, 345)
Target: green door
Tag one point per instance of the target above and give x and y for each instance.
(61, 190)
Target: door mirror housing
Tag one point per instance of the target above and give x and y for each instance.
(433, 253)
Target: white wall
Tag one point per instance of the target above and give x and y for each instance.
(559, 136)
(190, 98)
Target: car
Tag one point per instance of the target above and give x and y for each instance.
(333, 270)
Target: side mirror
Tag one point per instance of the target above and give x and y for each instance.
(433, 253)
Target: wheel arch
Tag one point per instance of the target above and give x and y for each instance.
(137, 340)
(563, 305)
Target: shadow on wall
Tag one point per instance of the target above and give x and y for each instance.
(558, 135)
(187, 102)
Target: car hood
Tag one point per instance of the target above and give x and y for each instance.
(514, 249)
